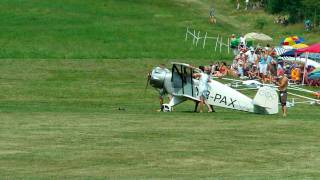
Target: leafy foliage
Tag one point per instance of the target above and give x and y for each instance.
(298, 10)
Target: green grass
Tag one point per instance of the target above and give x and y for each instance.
(60, 119)
(124, 29)
(68, 66)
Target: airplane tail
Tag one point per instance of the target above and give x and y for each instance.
(266, 101)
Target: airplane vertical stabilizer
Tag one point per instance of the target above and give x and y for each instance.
(266, 101)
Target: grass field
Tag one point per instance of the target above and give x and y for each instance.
(61, 119)
(115, 29)
(68, 67)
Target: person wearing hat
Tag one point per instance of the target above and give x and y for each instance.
(252, 57)
(283, 84)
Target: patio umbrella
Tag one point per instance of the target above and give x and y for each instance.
(299, 46)
(290, 53)
(292, 40)
(317, 70)
(314, 76)
(258, 36)
(311, 49)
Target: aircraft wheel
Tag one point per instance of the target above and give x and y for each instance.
(166, 108)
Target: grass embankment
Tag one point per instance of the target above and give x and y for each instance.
(124, 29)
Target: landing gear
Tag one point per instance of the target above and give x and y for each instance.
(166, 108)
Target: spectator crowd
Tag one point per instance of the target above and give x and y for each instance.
(263, 64)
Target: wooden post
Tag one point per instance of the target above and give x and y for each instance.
(204, 40)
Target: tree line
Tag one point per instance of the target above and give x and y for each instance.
(297, 10)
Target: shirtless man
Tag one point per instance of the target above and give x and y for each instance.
(283, 84)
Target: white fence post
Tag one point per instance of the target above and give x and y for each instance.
(194, 36)
(198, 37)
(204, 40)
(218, 40)
(215, 49)
(187, 34)
(220, 44)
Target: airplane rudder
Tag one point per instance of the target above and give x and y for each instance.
(267, 98)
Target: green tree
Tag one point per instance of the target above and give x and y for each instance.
(312, 10)
(294, 9)
(275, 6)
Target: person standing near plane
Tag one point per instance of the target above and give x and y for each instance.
(283, 84)
(203, 87)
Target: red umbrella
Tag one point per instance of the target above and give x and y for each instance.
(311, 49)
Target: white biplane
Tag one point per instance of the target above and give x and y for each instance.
(182, 86)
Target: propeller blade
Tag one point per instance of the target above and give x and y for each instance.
(148, 81)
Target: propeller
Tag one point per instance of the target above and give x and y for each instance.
(148, 81)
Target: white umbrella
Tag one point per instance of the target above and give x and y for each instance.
(250, 35)
(258, 36)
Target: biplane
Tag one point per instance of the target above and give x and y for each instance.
(179, 82)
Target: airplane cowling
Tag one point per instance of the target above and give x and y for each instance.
(158, 76)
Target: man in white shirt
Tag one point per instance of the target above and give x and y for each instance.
(242, 42)
(252, 57)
